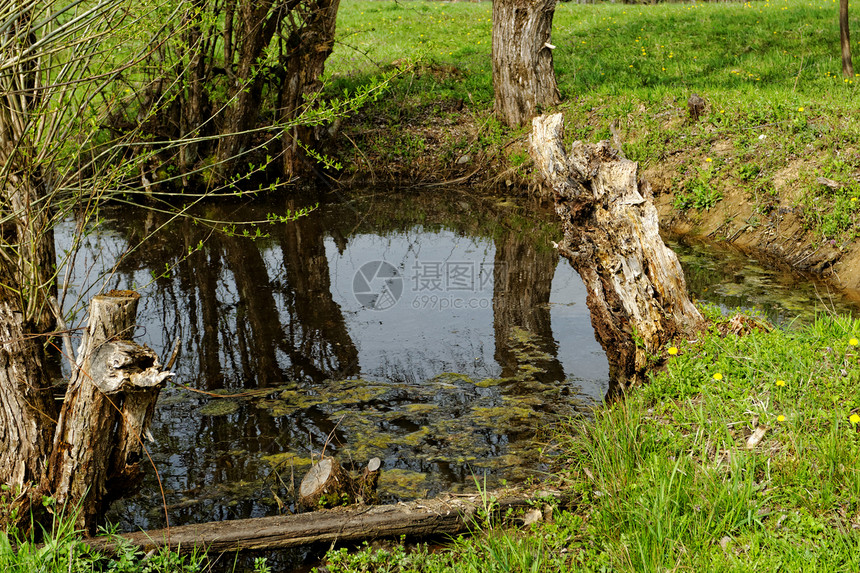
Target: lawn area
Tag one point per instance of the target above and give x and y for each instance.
(769, 71)
(785, 52)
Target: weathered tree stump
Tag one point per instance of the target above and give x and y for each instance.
(695, 107)
(108, 407)
(637, 294)
(366, 484)
(327, 484)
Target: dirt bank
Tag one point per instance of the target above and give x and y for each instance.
(780, 233)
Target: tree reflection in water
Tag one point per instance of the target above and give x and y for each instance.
(441, 394)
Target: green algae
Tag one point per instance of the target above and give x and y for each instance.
(415, 438)
(493, 417)
(402, 483)
(418, 409)
(287, 459)
(222, 407)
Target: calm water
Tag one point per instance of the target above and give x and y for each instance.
(439, 332)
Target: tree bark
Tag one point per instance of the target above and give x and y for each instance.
(308, 47)
(108, 407)
(27, 410)
(257, 23)
(637, 294)
(523, 77)
(845, 40)
(445, 515)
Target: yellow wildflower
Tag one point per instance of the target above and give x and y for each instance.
(780, 418)
(672, 351)
(718, 376)
(854, 419)
(780, 382)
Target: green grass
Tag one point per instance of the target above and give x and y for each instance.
(664, 480)
(778, 112)
(62, 550)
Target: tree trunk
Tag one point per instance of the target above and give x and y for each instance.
(27, 407)
(308, 47)
(108, 407)
(845, 40)
(257, 23)
(523, 77)
(637, 294)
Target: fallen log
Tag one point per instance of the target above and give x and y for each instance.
(637, 294)
(444, 515)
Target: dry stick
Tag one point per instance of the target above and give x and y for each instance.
(67, 340)
(330, 436)
(173, 355)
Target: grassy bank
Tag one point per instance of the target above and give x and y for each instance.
(778, 112)
(670, 479)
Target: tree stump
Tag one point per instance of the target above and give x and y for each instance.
(327, 484)
(637, 294)
(365, 486)
(108, 407)
(695, 107)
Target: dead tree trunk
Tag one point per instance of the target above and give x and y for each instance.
(523, 76)
(107, 410)
(637, 294)
(845, 40)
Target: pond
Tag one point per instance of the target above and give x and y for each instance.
(438, 331)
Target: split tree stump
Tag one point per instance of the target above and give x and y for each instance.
(327, 484)
(108, 407)
(637, 294)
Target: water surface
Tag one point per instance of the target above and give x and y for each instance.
(439, 332)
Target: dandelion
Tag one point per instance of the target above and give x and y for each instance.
(780, 418)
(672, 351)
(800, 109)
(854, 419)
(717, 376)
(854, 342)
(780, 383)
